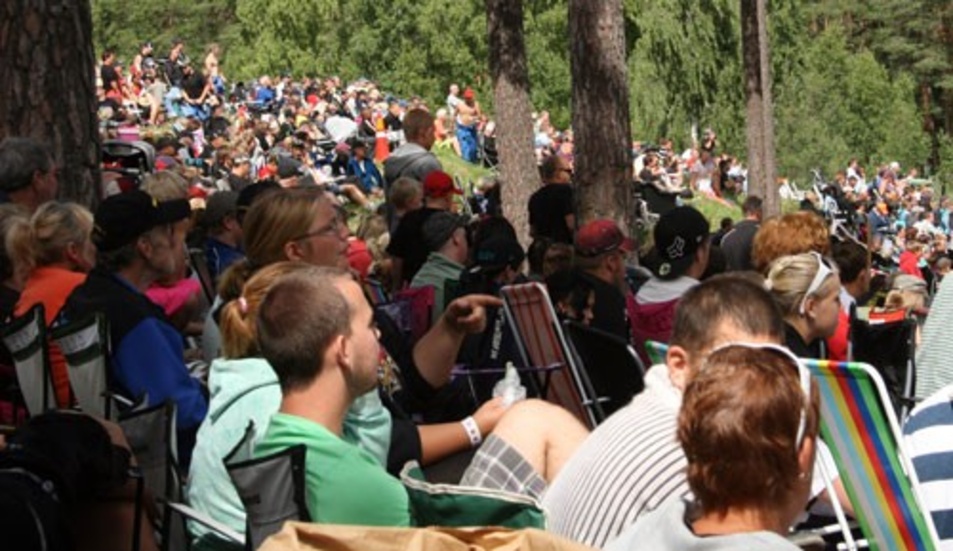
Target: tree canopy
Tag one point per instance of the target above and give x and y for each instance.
(871, 79)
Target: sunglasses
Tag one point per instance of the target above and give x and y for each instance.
(823, 271)
(804, 376)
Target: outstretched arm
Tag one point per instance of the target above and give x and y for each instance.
(436, 351)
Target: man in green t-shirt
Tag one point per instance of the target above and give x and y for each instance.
(322, 370)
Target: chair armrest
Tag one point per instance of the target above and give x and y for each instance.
(212, 524)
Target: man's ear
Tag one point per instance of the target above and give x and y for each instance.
(678, 361)
(341, 352)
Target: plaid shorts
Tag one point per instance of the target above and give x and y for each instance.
(498, 466)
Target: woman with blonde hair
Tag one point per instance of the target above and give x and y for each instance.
(806, 288)
(242, 388)
(56, 251)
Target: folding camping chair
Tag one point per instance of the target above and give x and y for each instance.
(541, 344)
(891, 349)
(25, 338)
(656, 351)
(85, 346)
(272, 490)
(859, 426)
(612, 365)
(151, 434)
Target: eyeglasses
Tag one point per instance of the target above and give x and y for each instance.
(823, 271)
(804, 376)
(331, 230)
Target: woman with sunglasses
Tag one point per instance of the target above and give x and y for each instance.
(748, 425)
(806, 288)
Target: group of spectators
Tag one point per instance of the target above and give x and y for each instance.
(719, 449)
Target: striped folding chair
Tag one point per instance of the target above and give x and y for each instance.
(859, 425)
(541, 343)
(656, 351)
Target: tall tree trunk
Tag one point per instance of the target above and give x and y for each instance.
(47, 69)
(519, 176)
(600, 112)
(757, 70)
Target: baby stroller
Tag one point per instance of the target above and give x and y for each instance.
(132, 160)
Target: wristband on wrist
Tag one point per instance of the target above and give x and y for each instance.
(473, 431)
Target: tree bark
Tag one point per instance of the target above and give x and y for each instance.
(519, 176)
(762, 179)
(600, 112)
(47, 69)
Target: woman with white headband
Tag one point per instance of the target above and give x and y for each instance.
(806, 288)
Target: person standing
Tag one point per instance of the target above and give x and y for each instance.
(551, 211)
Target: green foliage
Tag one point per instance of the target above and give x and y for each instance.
(848, 74)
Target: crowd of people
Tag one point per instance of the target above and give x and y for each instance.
(299, 239)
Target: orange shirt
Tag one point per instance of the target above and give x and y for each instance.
(51, 286)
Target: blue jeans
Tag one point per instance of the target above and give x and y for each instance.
(467, 136)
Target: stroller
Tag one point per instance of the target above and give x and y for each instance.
(132, 160)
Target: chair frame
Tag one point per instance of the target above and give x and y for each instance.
(539, 338)
(23, 336)
(599, 402)
(878, 512)
(295, 455)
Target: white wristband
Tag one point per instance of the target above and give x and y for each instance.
(473, 431)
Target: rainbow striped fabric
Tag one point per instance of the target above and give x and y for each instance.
(859, 426)
(656, 351)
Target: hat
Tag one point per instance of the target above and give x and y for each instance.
(439, 227)
(678, 234)
(468, 93)
(601, 236)
(121, 219)
(288, 167)
(219, 206)
(439, 184)
(497, 253)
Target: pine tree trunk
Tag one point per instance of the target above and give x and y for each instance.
(600, 112)
(519, 176)
(757, 71)
(47, 73)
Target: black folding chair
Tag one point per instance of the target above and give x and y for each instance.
(891, 348)
(614, 369)
(272, 490)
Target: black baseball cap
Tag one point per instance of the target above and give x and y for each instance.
(121, 219)
(678, 234)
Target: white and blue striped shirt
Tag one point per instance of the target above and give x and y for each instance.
(928, 433)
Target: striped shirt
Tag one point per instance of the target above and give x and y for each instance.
(928, 433)
(628, 466)
(934, 368)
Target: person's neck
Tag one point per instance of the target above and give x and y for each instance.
(226, 238)
(323, 403)
(854, 288)
(738, 520)
(138, 275)
(803, 328)
(24, 198)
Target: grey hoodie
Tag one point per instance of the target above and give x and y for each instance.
(410, 160)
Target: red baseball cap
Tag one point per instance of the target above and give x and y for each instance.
(440, 184)
(468, 93)
(601, 236)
